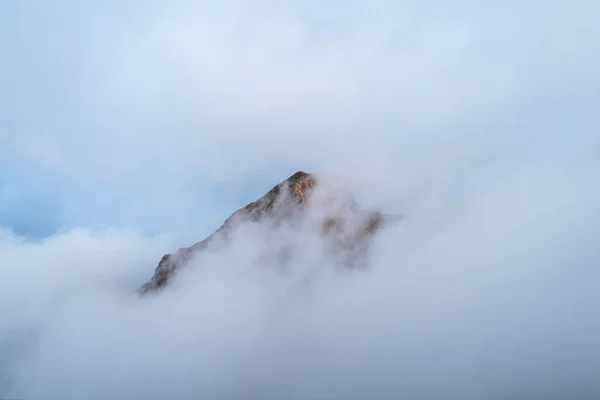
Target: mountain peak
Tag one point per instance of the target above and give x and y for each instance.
(285, 201)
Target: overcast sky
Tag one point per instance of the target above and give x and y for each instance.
(109, 108)
(131, 128)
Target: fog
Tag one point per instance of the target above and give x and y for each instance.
(119, 145)
(496, 298)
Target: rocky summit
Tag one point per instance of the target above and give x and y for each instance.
(341, 224)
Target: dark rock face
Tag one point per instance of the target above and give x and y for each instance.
(286, 202)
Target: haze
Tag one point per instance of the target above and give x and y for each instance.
(129, 129)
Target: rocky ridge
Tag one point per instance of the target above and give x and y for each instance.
(286, 202)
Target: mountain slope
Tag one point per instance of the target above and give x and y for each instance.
(341, 222)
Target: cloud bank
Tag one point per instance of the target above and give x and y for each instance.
(494, 300)
(121, 144)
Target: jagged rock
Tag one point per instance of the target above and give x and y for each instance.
(287, 200)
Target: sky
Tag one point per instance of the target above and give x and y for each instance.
(109, 108)
(131, 128)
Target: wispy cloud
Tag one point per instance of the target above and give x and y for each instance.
(485, 300)
(122, 121)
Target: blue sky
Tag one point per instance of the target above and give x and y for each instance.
(169, 117)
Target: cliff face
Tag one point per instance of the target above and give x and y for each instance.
(345, 232)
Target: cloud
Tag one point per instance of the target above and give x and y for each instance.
(493, 299)
(180, 95)
(264, 84)
(479, 123)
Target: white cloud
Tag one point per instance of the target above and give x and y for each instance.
(255, 84)
(486, 302)
(214, 88)
(478, 123)
(275, 69)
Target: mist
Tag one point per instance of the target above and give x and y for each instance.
(496, 299)
(119, 145)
